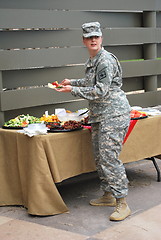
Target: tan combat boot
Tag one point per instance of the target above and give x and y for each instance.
(121, 211)
(106, 200)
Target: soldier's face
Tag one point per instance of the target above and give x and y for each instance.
(93, 43)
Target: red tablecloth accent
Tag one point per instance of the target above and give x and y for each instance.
(131, 126)
(88, 127)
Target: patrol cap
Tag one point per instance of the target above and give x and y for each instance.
(91, 29)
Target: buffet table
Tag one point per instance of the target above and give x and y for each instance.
(30, 166)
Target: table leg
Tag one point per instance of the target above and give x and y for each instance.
(156, 167)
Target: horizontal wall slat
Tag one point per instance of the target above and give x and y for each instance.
(141, 68)
(84, 5)
(123, 36)
(30, 98)
(21, 18)
(147, 99)
(37, 77)
(133, 84)
(31, 39)
(24, 59)
(16, 99)
(15, 18)
(126, 52)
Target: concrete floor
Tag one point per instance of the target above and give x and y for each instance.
(86, 220)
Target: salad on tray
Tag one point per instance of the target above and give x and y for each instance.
(21, 121)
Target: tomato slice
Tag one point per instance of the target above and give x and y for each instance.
(24, 124)
(55, 83)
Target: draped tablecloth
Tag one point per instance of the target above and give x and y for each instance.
(30, 167)
(144, 141)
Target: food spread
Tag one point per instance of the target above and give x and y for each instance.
(53, 122)
(54, 85)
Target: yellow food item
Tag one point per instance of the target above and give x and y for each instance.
(68, 111)
(50, 118)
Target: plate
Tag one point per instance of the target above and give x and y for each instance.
(86, 124)
(50, 85)
(55, 130)
(5, 127)
(137, 118)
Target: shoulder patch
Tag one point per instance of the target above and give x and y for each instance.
(102, 74)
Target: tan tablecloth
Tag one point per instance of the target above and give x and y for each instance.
(144, 140)
(30, 167)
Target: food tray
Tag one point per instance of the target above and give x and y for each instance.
(5, 127)
(137, 118)
(57, 130)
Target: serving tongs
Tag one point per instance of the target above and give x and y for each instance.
(83, 113)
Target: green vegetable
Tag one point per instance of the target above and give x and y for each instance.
(20, 120)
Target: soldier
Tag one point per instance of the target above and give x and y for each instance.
(109, 114)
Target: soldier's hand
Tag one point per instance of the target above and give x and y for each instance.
(65, 82)
(66, 88)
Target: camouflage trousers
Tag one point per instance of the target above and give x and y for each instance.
(107, 139)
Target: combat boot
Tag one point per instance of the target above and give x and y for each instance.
(121, 211)
(106, 200)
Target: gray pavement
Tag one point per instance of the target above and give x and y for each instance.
(87, 222)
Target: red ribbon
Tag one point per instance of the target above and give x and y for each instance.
(88, 127)
(131, 126)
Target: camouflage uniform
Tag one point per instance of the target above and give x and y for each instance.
(109, 116)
